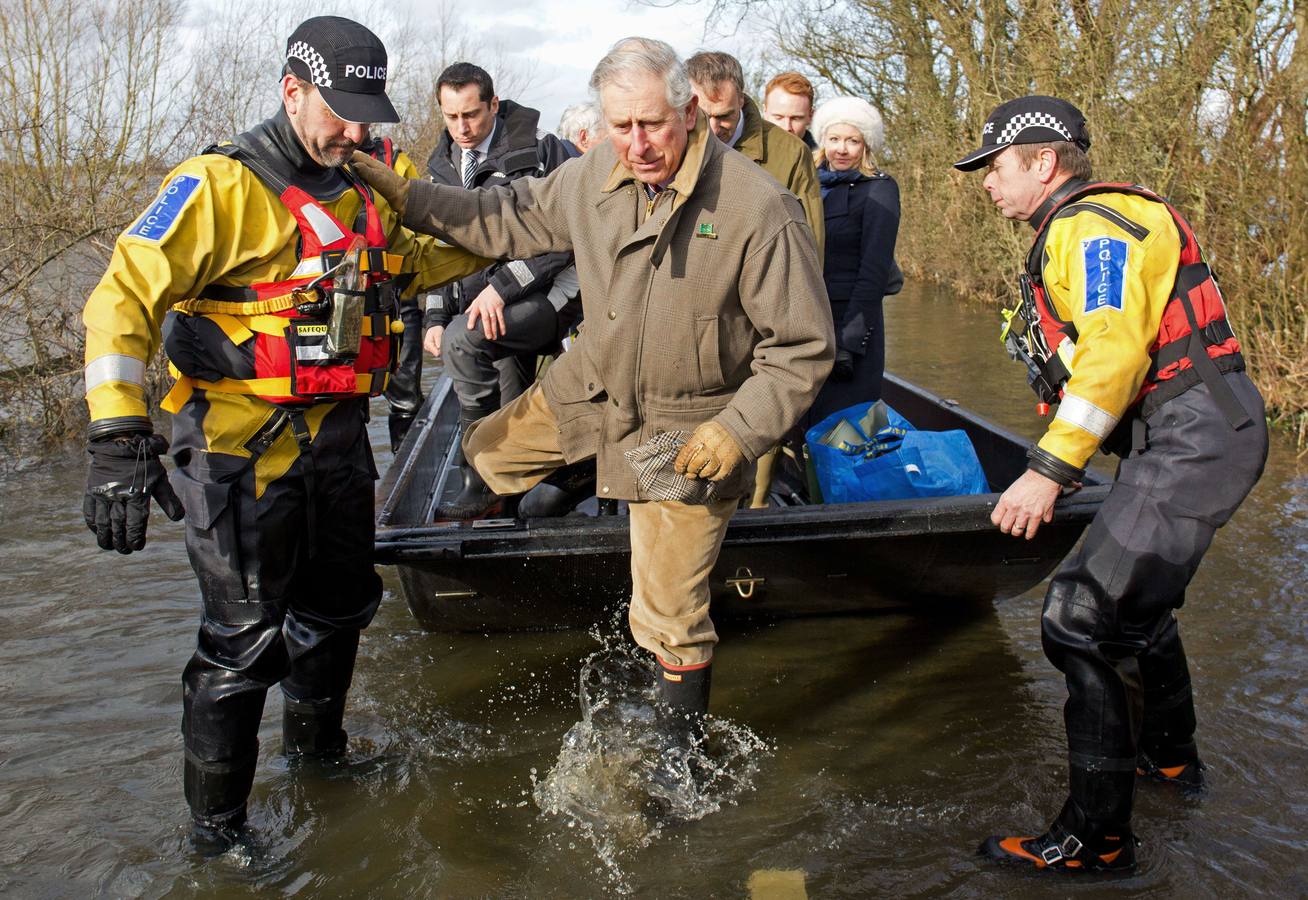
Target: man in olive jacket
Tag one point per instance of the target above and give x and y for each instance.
(705, 313)
(719, 84)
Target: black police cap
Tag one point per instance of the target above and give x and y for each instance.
(1027, 120)
(347, 63)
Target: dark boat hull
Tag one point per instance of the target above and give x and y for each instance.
(779, 562)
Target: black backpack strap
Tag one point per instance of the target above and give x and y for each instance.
(1197, 351)
(265, 174)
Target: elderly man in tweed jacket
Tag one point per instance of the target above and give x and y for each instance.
(705, 314)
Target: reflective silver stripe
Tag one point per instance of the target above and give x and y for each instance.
(326, 230)
(1086, 416)
(310, 352)
(521, 272)
(114, 367)
(311, 265)
(435, 301)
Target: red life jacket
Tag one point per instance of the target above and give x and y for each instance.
(281, 346)
(1194, 343)
(384, 152)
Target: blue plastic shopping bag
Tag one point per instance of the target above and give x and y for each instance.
(895, 462)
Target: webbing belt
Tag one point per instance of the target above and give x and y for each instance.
(207, 306)
(379, 260)
(181, 391)
(1213, 333)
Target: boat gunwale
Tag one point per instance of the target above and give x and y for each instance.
(581, 535)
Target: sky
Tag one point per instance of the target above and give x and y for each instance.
(557, 41)
(566, 38)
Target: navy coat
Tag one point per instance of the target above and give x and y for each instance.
(862, 219)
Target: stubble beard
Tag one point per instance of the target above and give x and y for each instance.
(334, 154)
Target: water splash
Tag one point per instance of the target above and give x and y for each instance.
(618, 780)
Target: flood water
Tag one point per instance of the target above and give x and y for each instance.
(863, 756)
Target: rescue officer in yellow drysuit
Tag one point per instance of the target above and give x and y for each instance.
(273, 463)
(1121, 325)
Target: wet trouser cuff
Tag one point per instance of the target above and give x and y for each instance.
(1102, 789)
(313, 727)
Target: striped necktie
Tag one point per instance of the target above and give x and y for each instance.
(470, 160)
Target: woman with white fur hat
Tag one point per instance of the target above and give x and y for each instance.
(861, 206)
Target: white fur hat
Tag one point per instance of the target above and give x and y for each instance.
(855, 112)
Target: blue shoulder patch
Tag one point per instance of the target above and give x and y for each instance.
(159, 218)
(1105, 267)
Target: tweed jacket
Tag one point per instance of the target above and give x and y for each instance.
(704, 303)
(789, 161)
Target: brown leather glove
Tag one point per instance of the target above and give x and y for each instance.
(382, 179)
(710, 453)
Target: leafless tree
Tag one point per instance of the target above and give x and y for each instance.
(98, 100)
(1204, 101)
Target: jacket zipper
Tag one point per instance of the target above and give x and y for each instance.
(1136, 231)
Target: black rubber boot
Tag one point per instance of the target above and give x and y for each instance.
(217, 793)
(1091, 834)
(314, 692)
(474, 499)
(560, 492)
(684, 691)
(678, 773)
(399, 425)
(683, 704)
(312, 728)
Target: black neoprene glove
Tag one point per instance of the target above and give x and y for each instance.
(125, 473)
(843, 369)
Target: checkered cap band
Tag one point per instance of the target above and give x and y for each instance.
(318, 72)
(656, 477)
(1023, 121)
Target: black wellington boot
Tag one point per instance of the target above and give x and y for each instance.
(1076, 842)
(475, 499)
(677, 775)
(684, 691)
(560, 492)
(217, 793)
(313, 694)
(399, 424)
